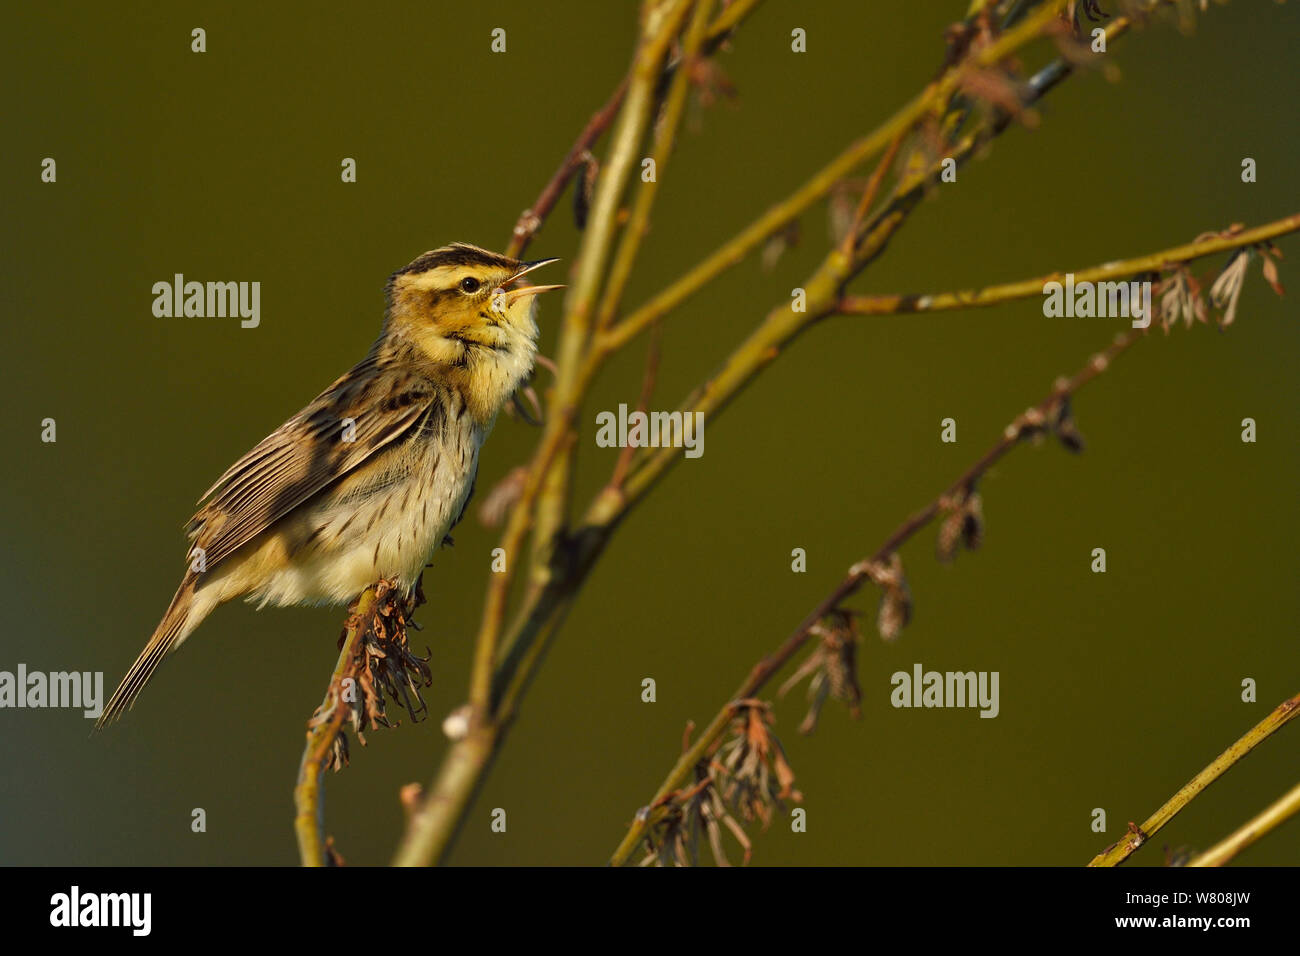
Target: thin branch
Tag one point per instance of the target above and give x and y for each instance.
(439, 814)
(869, 194)
(532, 218)
(730, 18)
(1031, 288)
(1121, 851)
(1286, 807)
(322, 732)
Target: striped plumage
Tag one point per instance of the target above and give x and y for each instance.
(367, 480)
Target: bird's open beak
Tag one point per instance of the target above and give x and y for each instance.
(525, 268)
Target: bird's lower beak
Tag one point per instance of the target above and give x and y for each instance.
(512, 294)
(527, 267)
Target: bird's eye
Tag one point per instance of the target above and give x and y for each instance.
(469, 284)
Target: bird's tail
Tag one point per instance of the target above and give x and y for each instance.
(181, 618)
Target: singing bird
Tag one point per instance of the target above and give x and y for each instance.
(367, 480)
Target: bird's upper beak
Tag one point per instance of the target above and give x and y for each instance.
(524, 269)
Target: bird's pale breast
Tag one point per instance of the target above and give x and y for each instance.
(385, 521)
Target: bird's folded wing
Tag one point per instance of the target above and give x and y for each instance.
(358, 415)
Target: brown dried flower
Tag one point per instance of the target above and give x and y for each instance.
(833, 664)
(1181, 295)
(750, 770)
(963, 526)
(895, 600)
(1226, 291)
(384, 667)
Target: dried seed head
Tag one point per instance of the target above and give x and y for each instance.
(1270, 266)
(964, 525)
(1226, 291)
(895, 601)
(895, 613)
(945, 546)
(750, 770)
(384, 666)
(674, 838)
(832, 665)
(1181, 296)
(1063, 426)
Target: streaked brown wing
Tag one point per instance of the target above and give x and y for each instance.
(307, 453)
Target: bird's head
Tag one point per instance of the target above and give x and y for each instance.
(470, 315)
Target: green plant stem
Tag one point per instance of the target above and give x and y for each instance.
(441, 811)
(309, 821)
(1032, 288)
(1279, 812)
(1121, 851)
(730, 18)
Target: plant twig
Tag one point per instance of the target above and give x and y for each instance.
(1031, 288)
(869, 194)
(322, 732)
(728, 19)
(532, 218)
(1283, 809)
(1121, 851)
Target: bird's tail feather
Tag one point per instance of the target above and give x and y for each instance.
(175, 626)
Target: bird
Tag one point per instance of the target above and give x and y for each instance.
(366, 481)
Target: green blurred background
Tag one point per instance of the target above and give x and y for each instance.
(1116, 688)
